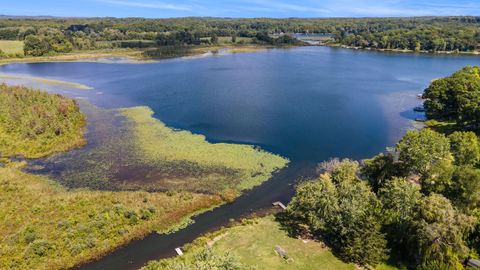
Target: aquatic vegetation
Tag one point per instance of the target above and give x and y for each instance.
(34, 123)
(47, 227)
(129, 150)
(158, 142)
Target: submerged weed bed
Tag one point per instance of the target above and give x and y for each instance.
(128, 149)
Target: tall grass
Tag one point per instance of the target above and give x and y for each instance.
(44, 226)
(34, 123)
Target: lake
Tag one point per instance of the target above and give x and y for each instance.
(308, 104)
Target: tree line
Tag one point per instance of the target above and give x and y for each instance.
(418, 203)
(56, 35)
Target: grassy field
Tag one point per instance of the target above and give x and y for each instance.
(44, 226)
(240, 40)
(11, 46)
(253, 245)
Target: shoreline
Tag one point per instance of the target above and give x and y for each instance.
(43, 80)
(136, 56)
(405, 51)
(182, 224)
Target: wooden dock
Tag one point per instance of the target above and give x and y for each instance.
(179, 251)
(279, 204)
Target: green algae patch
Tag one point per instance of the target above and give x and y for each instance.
(46, 81)
(35, 123)
(157, 142)
(128, 149)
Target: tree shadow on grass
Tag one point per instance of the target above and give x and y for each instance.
(295, 229)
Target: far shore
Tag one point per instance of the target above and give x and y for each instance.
(133, 56)
(336, 45)
(137, 56)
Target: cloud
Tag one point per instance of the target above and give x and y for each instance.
(154, 5)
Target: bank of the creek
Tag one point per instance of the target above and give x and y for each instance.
(307, 104)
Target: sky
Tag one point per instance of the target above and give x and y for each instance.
(239, 8)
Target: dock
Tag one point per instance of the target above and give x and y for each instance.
(179, 251)
(279, 204)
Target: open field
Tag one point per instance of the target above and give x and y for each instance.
(253, 246)
(239, 40)
(50, 227)
(11, 46)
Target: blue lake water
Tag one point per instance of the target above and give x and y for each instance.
(307, 103)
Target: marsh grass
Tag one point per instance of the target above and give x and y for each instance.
(34, 123)
(46, 81)
(44, 226)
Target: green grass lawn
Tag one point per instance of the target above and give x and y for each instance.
(228, 40)
(253, 246)
(11, 46)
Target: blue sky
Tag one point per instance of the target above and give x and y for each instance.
(240, 8)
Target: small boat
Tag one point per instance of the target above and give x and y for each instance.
(420, 96)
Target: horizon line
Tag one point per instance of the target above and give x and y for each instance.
(219, 17)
